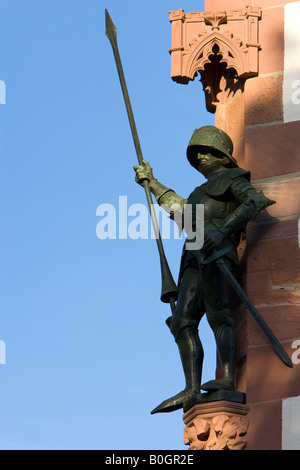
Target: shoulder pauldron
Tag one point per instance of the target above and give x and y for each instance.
(219, 184)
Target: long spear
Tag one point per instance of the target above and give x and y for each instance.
(169, 288)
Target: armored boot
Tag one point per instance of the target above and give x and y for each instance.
(225, 340)
(191, 354)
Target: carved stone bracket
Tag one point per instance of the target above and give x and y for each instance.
(216, 426)
(222, 46)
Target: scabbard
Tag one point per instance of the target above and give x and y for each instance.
(253, 311)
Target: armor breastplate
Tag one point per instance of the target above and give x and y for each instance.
(216, 209)
(218, 202)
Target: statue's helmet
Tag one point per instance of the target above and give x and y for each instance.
(213, 138)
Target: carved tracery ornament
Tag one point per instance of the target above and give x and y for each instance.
(221, 46)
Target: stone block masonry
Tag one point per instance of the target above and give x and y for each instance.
(246, 54)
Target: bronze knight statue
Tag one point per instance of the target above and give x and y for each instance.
(230, 201)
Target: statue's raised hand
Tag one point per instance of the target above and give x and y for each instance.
(143, 172)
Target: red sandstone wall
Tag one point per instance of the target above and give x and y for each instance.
(270, 149)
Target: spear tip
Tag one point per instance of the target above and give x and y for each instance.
(111, 30)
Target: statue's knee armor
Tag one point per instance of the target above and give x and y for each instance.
(177, 323)
(219, 318)
(225, 336)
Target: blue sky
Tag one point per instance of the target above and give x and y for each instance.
(88, 355)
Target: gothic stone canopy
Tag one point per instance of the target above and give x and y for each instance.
(222, 46)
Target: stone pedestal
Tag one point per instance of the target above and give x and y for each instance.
(218, 425)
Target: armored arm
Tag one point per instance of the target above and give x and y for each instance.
(250, 204)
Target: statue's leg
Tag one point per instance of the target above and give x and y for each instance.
(184, 327)
(225, 340)
(218, 316)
